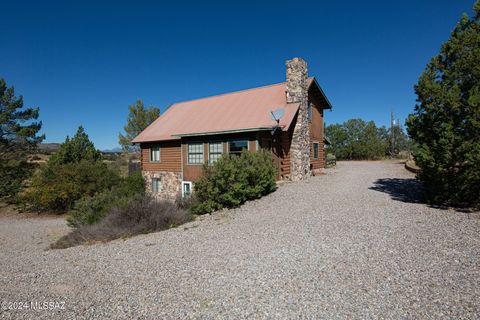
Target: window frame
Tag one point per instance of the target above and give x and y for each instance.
(195, 153)
(152, 153)
(183, 190)
(318, 150)
(236, 152)
(159, 187)
(215, 153)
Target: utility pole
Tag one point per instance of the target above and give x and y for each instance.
(392, 133)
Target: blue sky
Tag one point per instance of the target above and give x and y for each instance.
(84, 62)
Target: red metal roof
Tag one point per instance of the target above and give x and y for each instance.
(237, 111)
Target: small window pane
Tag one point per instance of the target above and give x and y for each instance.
(156, 185)
(187, 189)
(195, 153)
(315, 151)
(155, 154)
(236, 146)
(215, 151)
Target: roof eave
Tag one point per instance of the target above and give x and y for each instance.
(329, 105)
(209, 133)
(153, 140)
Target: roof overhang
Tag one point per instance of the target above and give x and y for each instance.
(318, 92)
(196, 134)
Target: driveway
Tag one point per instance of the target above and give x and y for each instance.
(355, 243)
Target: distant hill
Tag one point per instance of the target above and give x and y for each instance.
(48, 147)
(114, 150)
(53, 147)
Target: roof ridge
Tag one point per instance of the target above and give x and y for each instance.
(226, 93)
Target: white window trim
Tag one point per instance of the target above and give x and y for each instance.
(203, 154)
(191, 186)
(214, 142)
(151, 154)
(318, 150)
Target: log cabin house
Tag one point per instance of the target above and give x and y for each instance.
(286, 118)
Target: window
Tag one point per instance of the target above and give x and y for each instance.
(215, 151)
(235, 147)
(309, 111)
(315, 150)
(155, 154)
(156, 185)
(186, 188)
(195, 153)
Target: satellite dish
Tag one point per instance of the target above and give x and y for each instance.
(277, 114)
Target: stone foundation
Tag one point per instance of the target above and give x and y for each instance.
(171, 184)
(297, 92)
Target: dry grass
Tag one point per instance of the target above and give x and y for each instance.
(142, 215)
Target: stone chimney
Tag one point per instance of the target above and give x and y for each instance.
(297, 92)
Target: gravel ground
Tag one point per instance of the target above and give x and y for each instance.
(355, 243)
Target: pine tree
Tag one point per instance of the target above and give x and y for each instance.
(76, 149)
(446, 121)
(139, 118)
(18, 139)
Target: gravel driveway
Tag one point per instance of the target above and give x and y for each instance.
(355, 243)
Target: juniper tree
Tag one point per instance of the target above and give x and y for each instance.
(76, 149)
(446, 121)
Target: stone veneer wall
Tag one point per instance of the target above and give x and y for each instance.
(171, 184)
(297, 92)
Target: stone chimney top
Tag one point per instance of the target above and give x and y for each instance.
(296, 80)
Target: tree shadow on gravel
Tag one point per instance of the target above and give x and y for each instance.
(405, 190)
(410, 190)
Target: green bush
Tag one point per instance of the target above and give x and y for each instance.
(13, 174)
(57, 187)
(232, 180)
(131, 185)
(91, 209)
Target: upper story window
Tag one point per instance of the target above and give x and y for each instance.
(155, 154)
(195, 153)
(235, 147)
(215, 151)
(315, 150)
(309, 111)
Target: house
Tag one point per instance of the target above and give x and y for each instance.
(286, 118)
